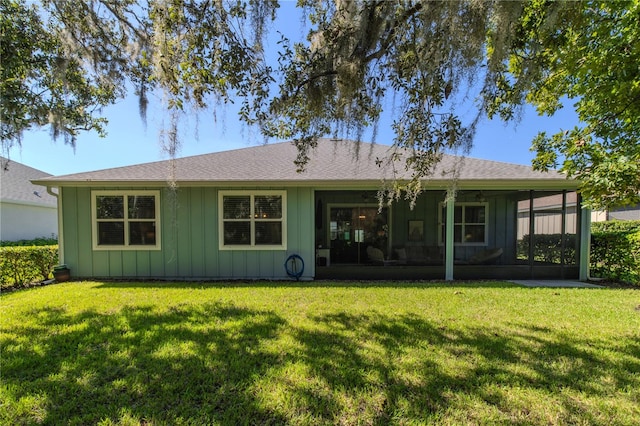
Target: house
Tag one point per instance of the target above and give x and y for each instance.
(624, 213)
(243, 214)
(549, 211)
(27, 211)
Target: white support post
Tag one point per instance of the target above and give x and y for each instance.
(585, 243)
(448, 243)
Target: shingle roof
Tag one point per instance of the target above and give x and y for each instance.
(332, 161)
(16, 186)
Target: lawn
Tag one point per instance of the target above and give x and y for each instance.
(319, 353)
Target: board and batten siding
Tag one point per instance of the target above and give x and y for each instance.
(189, 239)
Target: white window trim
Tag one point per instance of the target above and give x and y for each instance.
(441, 221)
(252, 246)
(126, 246)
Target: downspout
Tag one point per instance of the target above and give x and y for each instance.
(58, 197)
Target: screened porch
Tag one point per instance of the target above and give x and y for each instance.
(497, 234)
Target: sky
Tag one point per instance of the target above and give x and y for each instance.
(129, 141)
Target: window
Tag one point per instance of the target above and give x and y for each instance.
(470, 223)
(126, 220)
(252, 220)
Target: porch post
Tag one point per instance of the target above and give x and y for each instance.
(585, 241)
(448, 243)
(563, 233)
(532, 232)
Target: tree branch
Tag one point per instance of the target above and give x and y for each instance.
(384, 45)
(391, 32)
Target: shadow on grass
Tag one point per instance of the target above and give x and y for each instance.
(219, 363)
(188, 363)
(425, 371)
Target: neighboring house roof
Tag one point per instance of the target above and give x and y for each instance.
(16, 186)
(333, 162)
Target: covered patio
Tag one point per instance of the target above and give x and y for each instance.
(479, 234)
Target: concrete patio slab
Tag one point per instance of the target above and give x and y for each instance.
(555, 283)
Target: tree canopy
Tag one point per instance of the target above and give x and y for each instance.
(42, 82)
(593, 58)
(427, 60)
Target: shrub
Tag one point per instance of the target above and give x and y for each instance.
(42, 241)
(615, 251)
(20, 266)
(615, 226)
(548, 248)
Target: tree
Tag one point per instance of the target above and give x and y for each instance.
(423, 59)
(62, 60)
(40, 84)
(594, 60)
(430, 58)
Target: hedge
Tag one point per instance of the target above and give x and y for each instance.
(615, 225)
(42, 241)
(548, 248)
(21, 266)
(615, 251)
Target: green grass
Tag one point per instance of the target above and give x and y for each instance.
(319, 353)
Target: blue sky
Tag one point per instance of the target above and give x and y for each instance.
(129, 142)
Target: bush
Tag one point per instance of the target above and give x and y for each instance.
(20, 266)
(615, 251)
(548, 248)
(615, 226)
(42, 241)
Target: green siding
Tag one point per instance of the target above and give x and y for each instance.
(189, 240)
(130, 264)
(83, 219)
(169, 229)
(70, 229)
(115, 264)
(197, 238)
(210, 232)
(143, 264)
(185, 233)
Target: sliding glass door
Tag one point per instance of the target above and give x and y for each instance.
(353, 228)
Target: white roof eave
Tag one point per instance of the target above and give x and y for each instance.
(484, 184)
